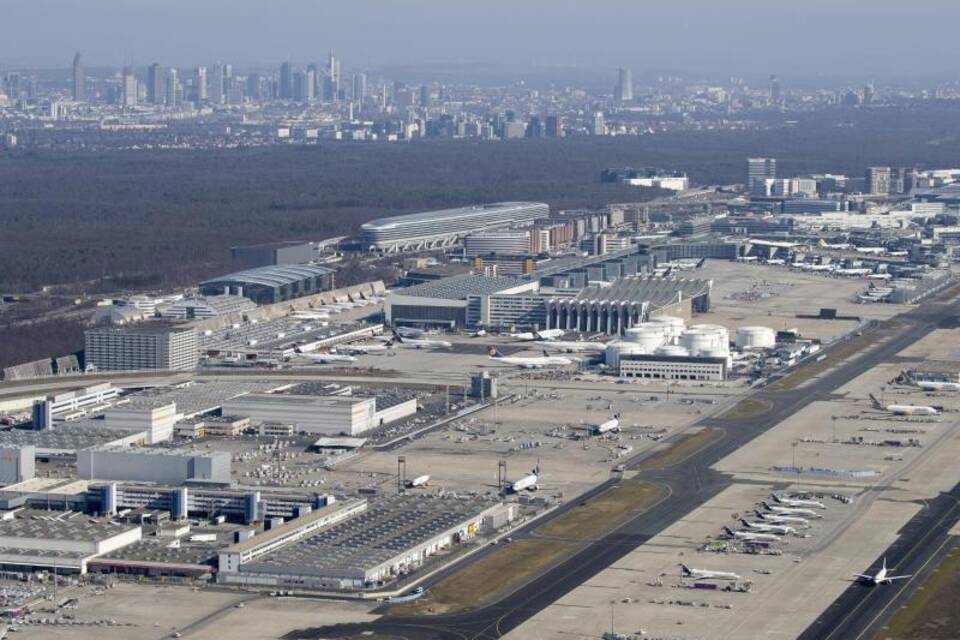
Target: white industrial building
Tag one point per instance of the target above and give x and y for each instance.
(155, 418)
(497, 242)
(17, 464)
(667, 367)
(204, 307)
(64, 541)
(327, 415)
(159, 466)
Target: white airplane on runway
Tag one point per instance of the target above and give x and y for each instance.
(880, 577)
(779, 529)
(905, 409)
(706, 574)
(750, 536)
(530, 362)
(422, 343)
(798, 502)
(791, 511)
(546, 334)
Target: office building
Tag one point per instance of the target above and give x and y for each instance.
(158, 466)
(155, 84)
(285, 91)
(217, 83)
(266, 285)
(79, 79)
(759, 171)
(669, 367)
(624, 91)
(497, 242)
(435, 229)
(129, 88)
(454, 302)
(150, 345)
(554, 127)
(878, 180)
(359, 88)
(200, 79)
(333, 78)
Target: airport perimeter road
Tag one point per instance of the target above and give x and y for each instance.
(690, 483)
(862, 610)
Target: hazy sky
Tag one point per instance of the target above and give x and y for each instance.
(809, 37)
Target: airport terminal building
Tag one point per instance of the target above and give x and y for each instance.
(436, 229)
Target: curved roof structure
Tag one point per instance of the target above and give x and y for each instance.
(274, 276)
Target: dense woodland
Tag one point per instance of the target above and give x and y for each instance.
(157, 218)
(149, 219)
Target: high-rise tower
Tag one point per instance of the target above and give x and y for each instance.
(79, 80)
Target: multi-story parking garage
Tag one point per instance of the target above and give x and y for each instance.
(435, 229)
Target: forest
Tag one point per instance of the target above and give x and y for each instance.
(119, 220)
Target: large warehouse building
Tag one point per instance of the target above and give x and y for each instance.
(160, 466)
(151, 345)
(435, 229)
(452, 303)
(327, 415)
(267, 285)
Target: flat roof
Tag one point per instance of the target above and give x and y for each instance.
(72, 526)
(460, 286)
(315, 401)
(656, 291)
(289, 527)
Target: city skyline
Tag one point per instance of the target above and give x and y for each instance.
(742, 38)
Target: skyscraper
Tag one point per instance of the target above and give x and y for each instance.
(172, 92)
(155, 88)
(286, 81)
(759, 170)
(129, 88)
(554, 127)
(333, 77)
(624, 91)
(424, 96)
(201, 80)
(774, 90)
(310, 84)
(79, 79)
(599, 126)
(217, 84)
(359, 87)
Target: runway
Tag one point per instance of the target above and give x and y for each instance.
(691, 484)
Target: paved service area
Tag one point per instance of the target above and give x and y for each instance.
(789, 590)
(152, 612)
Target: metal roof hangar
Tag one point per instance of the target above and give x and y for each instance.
(267, 285)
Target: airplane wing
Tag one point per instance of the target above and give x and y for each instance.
(860, 575)
(898, 577)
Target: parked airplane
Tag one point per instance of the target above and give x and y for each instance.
(527, 482)
(530, 362)
(853, 272)
(547, 334)
(791, 511)
(422, 343)
(930, 385)
(798, 502)
(327, 358)
(419, 481)
(573, 346)
(369, 347)
(779, 529)
(777, 518)
(880, 276)
(750, 536)
(880, 577)
(610, 425)
(872, 250)
(409, 332)
(706, 574)
(479, 333)
(905, 409)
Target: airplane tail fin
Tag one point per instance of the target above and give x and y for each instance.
(884, 562)
(745, 523)
(876, 403)
(765, 505)
(493, 353)
(536, 335)
(545, 354)
(685, 570)
(727, 531)
(396, 336)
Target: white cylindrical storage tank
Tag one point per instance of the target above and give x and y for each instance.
(675, 325)
(672, 350)
(645, 337)
(614, 350)
(720, 333)
(696, 341)
(756, 338)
